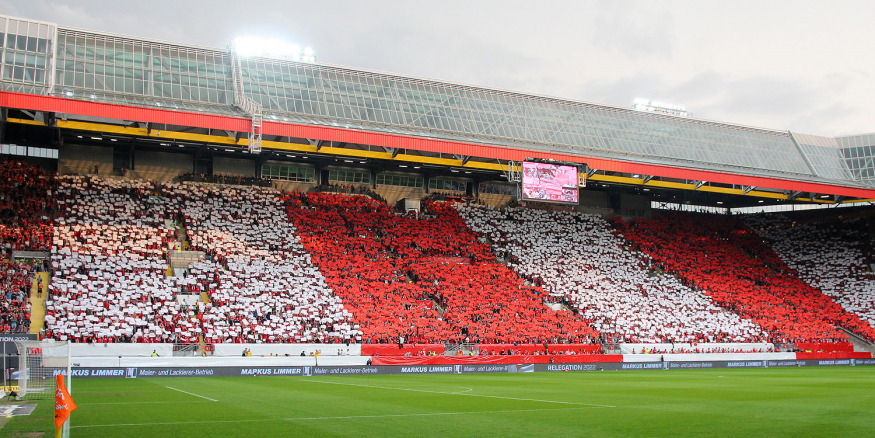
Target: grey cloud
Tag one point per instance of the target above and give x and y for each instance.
(829, 117)
(635, 29)
(768, 95)
(767, 101)
(623, 90)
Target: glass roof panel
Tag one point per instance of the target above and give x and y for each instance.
(103, 67)
(858, 152)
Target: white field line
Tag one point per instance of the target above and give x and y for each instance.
(138, 402)
(349, 417)
(190, 393)
(463, 394)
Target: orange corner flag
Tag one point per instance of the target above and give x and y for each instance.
(63, 403)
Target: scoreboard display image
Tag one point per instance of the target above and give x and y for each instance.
(550, 183)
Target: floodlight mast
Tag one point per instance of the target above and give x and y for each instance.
(249, 106)
(246, 47)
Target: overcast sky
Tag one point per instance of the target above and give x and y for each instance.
(802, 65)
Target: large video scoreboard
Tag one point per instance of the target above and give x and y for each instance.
(548, 182)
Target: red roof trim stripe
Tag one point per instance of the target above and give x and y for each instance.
(155, 115)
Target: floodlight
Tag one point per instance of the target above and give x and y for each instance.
(647, 105)
(308, 55)
(247, 46)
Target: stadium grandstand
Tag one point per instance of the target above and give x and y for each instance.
(189, 201)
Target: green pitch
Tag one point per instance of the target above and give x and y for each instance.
(758, 402)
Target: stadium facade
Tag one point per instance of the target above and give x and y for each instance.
(61, 87)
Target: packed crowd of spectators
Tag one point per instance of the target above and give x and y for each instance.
(16, 280)
(422, 278)
(581, 262)
(224, 179)
(699, 350)
(333, 268)
(353, 189)
(725, 258)
(261, 284)
(828, 251)
(437, 196)
(537, 350)
(26, 207)
(109, 281)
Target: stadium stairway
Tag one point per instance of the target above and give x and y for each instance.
(38, 304)
(463, 349)
(557, 307)
(860, 344)
(201, 346)
(183, 236)
(132, 174)
(436, 305)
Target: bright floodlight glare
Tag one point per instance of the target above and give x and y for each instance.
(641, 104)
(308, 55)
(270, 47)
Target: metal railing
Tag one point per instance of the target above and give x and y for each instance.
(191, 350)
(453, 349)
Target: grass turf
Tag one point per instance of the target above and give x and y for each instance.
(753, 402)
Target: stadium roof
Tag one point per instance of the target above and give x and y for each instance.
(47, 67)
